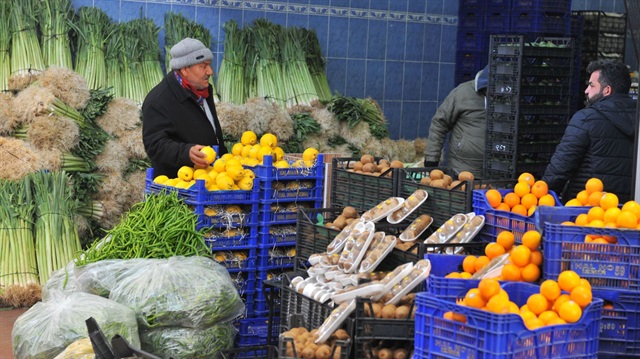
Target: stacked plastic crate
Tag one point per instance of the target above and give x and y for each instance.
(283, 191)
(529, 103)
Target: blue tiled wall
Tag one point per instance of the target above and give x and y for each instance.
(399, 52)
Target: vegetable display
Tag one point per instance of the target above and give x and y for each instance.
(188, 343)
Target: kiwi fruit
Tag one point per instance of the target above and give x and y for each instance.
(436, 174)
(340, 222)
(425, 181)
(358, 166)
(396, 164)
(465, 176)
(384, 162)
(367, 159)
(454, 184)
(369, 168)
(447, 180)
(349, 212)
(440, 183)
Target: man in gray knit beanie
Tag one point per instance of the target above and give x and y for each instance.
(179, 115)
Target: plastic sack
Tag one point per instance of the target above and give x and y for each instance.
(80, 349)
(179, 291)
(100, 277)
(188, 343)
(61, 280)
(47, 328)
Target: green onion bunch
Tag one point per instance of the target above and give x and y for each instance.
(269, 79)
(353, 110)
(316, 63)
(94, 29)
(26, 55)
(18, 265)
(298, 83)
(55, 26)
(231, 76)
(151, 69)
(5, 40)
(112, 51)
(56, 235)
(130, 57)
(304, 125)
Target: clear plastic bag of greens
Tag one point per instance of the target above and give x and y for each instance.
(100, 277)
(62, 280)
(189, 343)
(193, 292)
(47, 328)
(80, 349)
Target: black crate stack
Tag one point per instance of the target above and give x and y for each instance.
(529, 103)
(479, 19)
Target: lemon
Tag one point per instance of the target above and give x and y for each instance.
(310, 154)
(160, 179)
(220, 165)
(171, 182)
(278, 152)
(236, 150)
(204, 177)
(245, 151)
(227, 156)
(185, 173)
(269, 139)
(235, 172)
(235, 187)
(249, 173)
(234, 162)
(253, 152)
(224, 183)
(281, 164)
(199, 172)
(213, 174)
(245, 184)
(264, 151)
(212, 187)
(248, 138)
(299, 163)
(209, 153)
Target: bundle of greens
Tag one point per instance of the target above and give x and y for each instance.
(188, 343)
(316, 63)
(18, 265)
(231, 76)
(56, 235)
(55, 25)
(94, 29)
(304, 125)
(298, 83)
(269, 80)
(353, 110)
(149, 54)
(5, 40)
(26, 55)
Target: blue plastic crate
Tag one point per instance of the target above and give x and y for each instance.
(620, 327)
(471, 40)
(605, 266)
(267, 172)
(470, 16)
(496, 20)
(244, 281)
(488, 335)
(248, 217)
(555, 6)
(248, 298)
(496, 221)
(231, 238)
(307, 192)
(447, 288)
(199, 194)
(278, 235)
(537, 21)
(269, 258)
(253, 331)
(233, 263)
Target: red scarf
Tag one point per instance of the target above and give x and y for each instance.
(202, 94)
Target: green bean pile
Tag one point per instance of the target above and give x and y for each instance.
(162, 226)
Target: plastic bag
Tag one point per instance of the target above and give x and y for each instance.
(179, 291)
(100, 277)
(80, 349)
(47, 328)
(188, 343)
(61, 280)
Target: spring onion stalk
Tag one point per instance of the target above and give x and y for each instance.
(92, 210)
(250, 76)
(316, 64)
(131, 49)
(94, 28)
(270, 82)
(18, 265)
(112, 51)
(26, 55)
(296, 72)
(147, 32)
(55, 26)
(56, 235)
(5, 40)
(231, 76)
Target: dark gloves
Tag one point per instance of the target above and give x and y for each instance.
(430, 163)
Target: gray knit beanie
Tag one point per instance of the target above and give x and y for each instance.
(189, 52)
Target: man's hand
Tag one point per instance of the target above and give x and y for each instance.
(197, 157)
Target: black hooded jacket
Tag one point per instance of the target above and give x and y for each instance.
(172, 122)
(598, 142)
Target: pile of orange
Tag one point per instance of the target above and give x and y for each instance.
(526, 196)
(523, 263)
(604, 213)
(548, 307)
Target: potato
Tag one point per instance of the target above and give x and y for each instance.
(358, 166)
(323, 352)
(465, 176)
(341, 334)
(384, 162)
(396, 164)
(425, 181)
(367, 159)
(308, 353)
(377, 309)
(389, 311)
(447, 180)
(369, 168)
(385, 353)
(400, 353)
(349, 212)
(439, 183)
(436, 174)
(402, 312)
(454, 184)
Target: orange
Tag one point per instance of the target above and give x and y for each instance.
(453, 275)
(527, 178)
(595, 213)
(568, 223)
(537, 303)
(600, 240)
(594, 185)
(493, 250)
(534, 323)
(581, 295)
(530, 273)
(627, 219)
(465, 275)
(583, 197)
(557, 321)
(596, 223)
(505, 239)
(503, 293)
(520, 256)
(498, 304)
(540, 189)
(570, 311)
(513, 308)
(520, 209)
(550, 289)
(481, 262)
(536, 258)
(589, 238)
(529, 200)
(522, 188)
(503, 207)
(511, 199)
(474, 299)
(493, 197)
(582, 219)
(547, 316)
(511, 272)
(526, 314)
(531, 239)
(584, 283)
(594, 198)
(547, 200)
(568, 280)
(573, 203)
(531, 210)
(609, 200)
(632, 206)
(563, 298)
(468, 264)
(611, 215)
(488, 287)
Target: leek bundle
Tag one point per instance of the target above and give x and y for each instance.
(55, 26)
(94, 29)
(270, 82)
(151, 70)
(231, 77)
(113, 66)
(316, 64)
(296, 75)
(18, 265)
(26, 56)
(5, 39)
(56, 235)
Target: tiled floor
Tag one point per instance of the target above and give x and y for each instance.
(7, 317)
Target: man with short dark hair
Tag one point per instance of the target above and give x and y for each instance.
(178, 115)
(599, 139)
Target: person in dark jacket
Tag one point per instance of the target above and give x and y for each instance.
(462, 114)
(179, 115)
(599, 139)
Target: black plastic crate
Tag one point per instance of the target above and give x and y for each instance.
(471, 40)
(470, 17)
(286, 347)
(555, 6)
(541, 22)
(254, 352)
(600, 21)
(360, 190)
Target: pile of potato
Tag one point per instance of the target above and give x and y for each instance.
(348, 215)
(368, 166)
(437, 178)
(303, 345)
(404, 310)
(386, 349)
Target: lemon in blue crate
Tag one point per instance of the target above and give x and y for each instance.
(210, 154)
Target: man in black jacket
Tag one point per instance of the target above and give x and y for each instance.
(179, 115)
(599, 139)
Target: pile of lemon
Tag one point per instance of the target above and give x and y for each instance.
(558, 302)
(251, 152)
